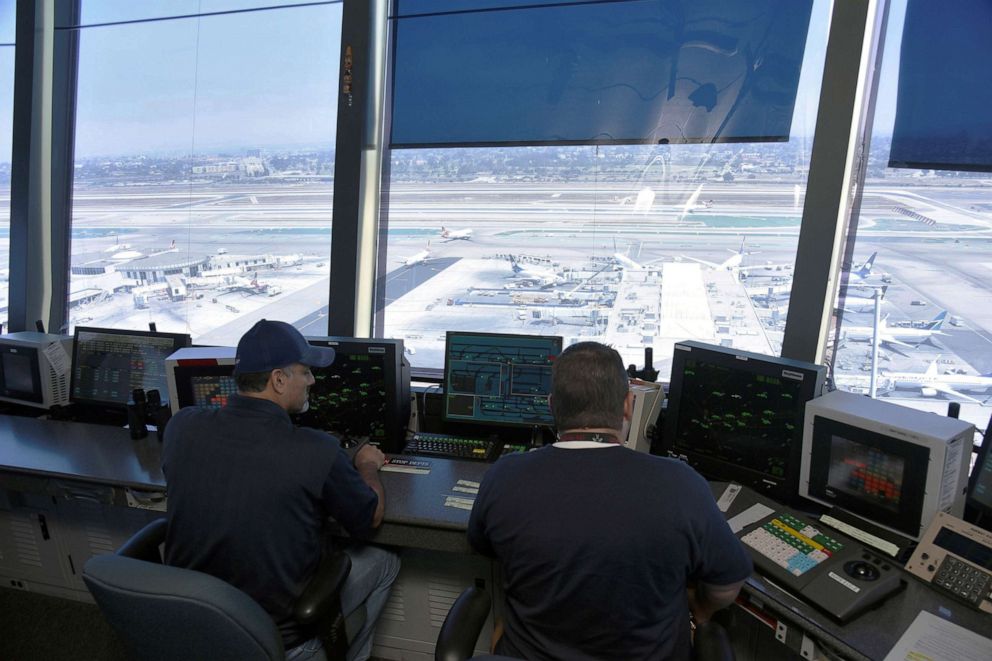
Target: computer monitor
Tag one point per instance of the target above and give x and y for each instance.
(200, 376)
(498, 378)
(738, 416)
(34, 369)
(978, 505)
(364, 394)
(108, 364)
(890, 465)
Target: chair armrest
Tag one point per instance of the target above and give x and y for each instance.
(711, 643)
(462, 625)
(324, 589)
(144, 544)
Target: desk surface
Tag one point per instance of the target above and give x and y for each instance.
(90, 453)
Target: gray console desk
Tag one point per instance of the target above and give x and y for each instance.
(70, 490)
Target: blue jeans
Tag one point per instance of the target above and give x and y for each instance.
(373, 571)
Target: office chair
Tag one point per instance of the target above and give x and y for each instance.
(163, 612)
(462, 625)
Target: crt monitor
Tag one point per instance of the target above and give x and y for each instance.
(200, 376)
(738, 416)
(108, 364)
(499, 378)
(364, 394)
(34, 369)
(890, 465)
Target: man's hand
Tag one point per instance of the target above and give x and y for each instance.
(368, 460)
(369, 454)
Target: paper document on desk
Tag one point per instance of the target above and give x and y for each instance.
(930, 638)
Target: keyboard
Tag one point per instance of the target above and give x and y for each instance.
(446, 445)
(791, 544)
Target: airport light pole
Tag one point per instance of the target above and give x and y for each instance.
(873, 383)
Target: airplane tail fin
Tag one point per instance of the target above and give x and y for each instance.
(938, 321)
(865, 269)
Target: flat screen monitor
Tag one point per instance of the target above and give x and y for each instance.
(364, 394)
(34, 369)
(738, 416)
(108, 364)
(499, 379)
(978, 507)
(201, 376)
(889, 465)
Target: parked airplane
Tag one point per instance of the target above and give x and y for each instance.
(931, 382)
(732, 263)
(862, 303)
(453, 235)
(542, 277)
(896, 335)
(418, 258)
(861, 273)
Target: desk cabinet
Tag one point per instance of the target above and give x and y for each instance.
(49, 529)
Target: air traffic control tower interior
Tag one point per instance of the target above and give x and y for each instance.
(788, 240)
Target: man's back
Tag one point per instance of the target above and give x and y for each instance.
(596, 547)
(248, 496)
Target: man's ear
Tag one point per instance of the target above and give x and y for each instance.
(277, 380)
(628, 405)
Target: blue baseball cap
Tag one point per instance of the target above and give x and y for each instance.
(269, 345)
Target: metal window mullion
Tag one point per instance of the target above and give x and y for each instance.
(831, 186)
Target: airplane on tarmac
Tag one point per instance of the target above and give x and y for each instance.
(732, 263)
(862, 303)
(418, 258)
(453, 235)
(931, 382)
(543, 277)
(896, 335)
(861, 273)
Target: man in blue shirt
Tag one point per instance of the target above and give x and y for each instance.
(250, 493)
(600, 544)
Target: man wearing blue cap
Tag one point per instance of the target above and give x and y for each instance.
(249, 492)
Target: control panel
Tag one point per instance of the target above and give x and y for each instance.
(956, 557)
(832, 572)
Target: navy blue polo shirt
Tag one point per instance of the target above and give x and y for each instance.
(248, 498)
(597, 546)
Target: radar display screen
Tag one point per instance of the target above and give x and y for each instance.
(349, 397)
(499, 379)
(739, 417)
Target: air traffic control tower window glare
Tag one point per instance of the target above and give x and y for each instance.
(204, 165)
(921, 251)
(632, 244)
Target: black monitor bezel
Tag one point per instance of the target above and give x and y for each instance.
(397, 397)
(785, 489)
(486, 423)
(917, 460)
(981, 509)
(37, 396)
(179, 341)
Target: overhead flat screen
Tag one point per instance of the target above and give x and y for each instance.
(508, 72)
(943, 116)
